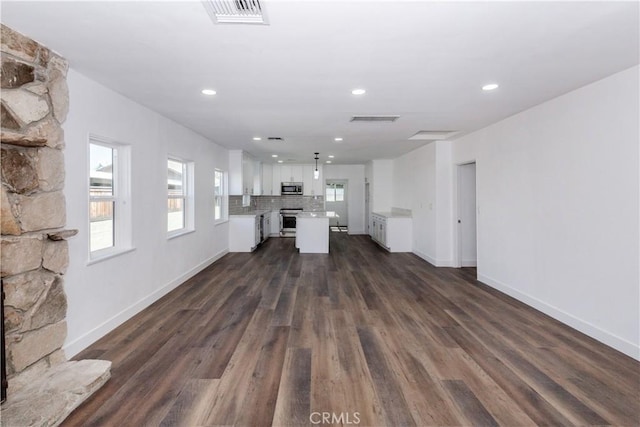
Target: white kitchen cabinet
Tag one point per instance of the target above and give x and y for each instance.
(257, 226)
(307, 180)
(267, 225)
(276, 180)
(267, 179)
(317, 188)
(290, 173)
(285, 173)
(244, 174)
(312, 186)
(394, 233)
(312, 233)
(296, 173)
(275, 223)
(247, 174)
(256, 178)
(235, 173)
(244, 233)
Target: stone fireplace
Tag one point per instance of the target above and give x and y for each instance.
(34, 251)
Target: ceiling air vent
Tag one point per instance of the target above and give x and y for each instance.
(432, 135)
(374, 118)
(275, 138)
(236, 11)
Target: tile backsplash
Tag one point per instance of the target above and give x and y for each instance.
(274, 203)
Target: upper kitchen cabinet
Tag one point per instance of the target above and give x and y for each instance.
(256, 177)
(276, 180)
(290, 173)
(236, 178)
(296, 173)
(267, 180)
(273, 175)
(311, 186)
(245, 174)
(285, 173)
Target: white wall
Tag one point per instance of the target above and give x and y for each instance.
(558, 194)
(103, 295)
(414, 187)
(466, 213)
(355, 197)
(382, 185)
(416, 177)
(379, 175)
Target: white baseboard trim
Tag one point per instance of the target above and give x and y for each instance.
(620, 344)
(433, 261)
(469, 263)
(76, 346)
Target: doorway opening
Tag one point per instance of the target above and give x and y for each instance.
(467, 253)
(335, 197)
(366, 207)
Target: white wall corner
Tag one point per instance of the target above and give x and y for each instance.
(76, 346)
(620, 344)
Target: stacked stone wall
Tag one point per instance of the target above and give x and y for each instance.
(34, 252)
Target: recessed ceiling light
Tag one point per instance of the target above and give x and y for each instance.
(490, 86)
(257, 138)
(274, 155)
(358, 92)
(337, 139)
(280, 161)
(328, 161)
(331, 156)
(208, 92)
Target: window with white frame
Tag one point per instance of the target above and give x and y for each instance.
(109, 198)
(180, 196)
(220, 195)
(334, 192)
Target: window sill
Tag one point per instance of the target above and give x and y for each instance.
(179, 233)
(109, 255)
(221, 221)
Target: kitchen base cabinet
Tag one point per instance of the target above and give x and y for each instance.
(244, 233)
(392, 233)
(266, 230)
(312, 234)
(275, 224)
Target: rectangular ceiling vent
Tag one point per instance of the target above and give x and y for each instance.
(432, 135)
(275, 138)
(236, 11)
(374, 118)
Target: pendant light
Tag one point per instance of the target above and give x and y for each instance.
(316, 174)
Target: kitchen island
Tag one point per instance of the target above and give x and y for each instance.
(312, 232)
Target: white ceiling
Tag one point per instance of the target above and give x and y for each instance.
(424, 61)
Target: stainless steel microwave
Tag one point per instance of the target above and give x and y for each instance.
(291, 189)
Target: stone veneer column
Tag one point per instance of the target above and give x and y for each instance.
(34, 257)
(44, 388)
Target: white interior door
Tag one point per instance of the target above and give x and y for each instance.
(335, 199)
(467, 233)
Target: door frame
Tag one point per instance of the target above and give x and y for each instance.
(367, 201)
(457, 240)
(328, 181)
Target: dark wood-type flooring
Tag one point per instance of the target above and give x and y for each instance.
(276, 337)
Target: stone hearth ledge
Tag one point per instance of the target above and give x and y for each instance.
(50, 399)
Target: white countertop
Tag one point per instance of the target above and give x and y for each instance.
(250, 214)
(322, 214)
(393, 214)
